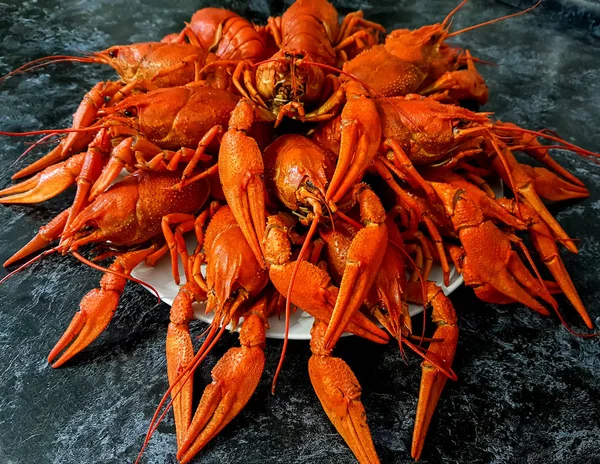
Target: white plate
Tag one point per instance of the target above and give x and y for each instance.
(161, 279)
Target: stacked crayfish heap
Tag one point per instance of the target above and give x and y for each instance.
(321, 165)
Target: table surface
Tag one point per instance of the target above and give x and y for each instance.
(526, 387)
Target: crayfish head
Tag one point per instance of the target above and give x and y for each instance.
(297, 171)
(145, 61)
(155, 113)
(419, 46)
(126, 59)
(287, 78)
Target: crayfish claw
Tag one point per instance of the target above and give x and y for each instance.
(45, 235)
(362, 263)
(360, 138)
(235, 377)
(318, 296)
(96, 311)
(436, 368)
(240, 171)
(525, 188)
(180, 354)
(551, 187)
(544, 242)
(46, 184)
(339, 392)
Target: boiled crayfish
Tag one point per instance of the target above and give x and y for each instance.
(385, 174)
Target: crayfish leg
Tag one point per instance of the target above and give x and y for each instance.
(464, 84)
(90, 171)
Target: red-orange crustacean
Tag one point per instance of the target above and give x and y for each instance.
(279, 216)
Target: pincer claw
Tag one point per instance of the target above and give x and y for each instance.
(362, 263)
(240, 171)
(95, 312)
(339, 392)
(551, 187)
(46, 184)
(45, 235)
(235, 377)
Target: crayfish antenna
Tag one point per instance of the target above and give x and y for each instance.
(43, 140)
(446, 21)
(49, 131)
(492, 21)
(288, 303)
(27, 264)
(77, 139)
(45, 61)
(55, 155)
(545, 134)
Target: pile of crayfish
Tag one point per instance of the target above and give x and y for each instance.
(321, 165)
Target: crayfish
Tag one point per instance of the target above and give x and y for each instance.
(318, 164)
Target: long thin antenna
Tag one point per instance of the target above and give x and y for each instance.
(492, 21)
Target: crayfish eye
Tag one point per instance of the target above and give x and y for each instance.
(299, 56)
(460, 123)
(130, 112)
(113, 53)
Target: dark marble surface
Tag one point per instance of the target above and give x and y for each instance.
(526, 387)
